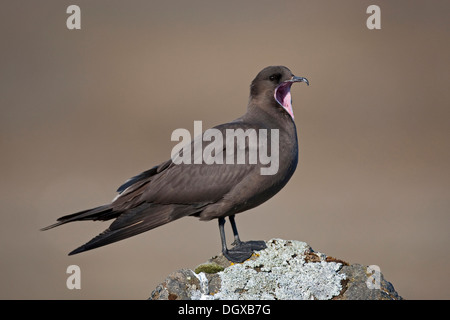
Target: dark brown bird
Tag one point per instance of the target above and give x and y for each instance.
(170, 191)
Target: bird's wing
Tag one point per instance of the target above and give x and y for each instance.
(171, 183)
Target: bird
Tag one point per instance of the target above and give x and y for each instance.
(170, 190)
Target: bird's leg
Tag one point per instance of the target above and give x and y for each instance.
(222, 235)
(252, 245)
(237, 241)
(241, 251)
(236, 254)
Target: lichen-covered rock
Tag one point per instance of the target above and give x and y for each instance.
(177, 286)
(286, 269)
(362, 284)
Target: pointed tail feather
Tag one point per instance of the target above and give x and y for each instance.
(104, 212)
(135, 221)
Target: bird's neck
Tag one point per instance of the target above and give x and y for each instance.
(270, 110)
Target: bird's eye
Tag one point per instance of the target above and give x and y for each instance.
(275, 77)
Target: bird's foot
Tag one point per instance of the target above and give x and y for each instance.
(242, 251)
(253, 245)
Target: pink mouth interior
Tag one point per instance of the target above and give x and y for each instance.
(283, 97)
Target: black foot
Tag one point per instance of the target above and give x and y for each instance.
(253, 245)
(244, 250)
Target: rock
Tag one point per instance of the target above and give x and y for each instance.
(285, 270)
(357, 287)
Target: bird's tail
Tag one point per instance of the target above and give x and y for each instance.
(104, 212)
(145, 217)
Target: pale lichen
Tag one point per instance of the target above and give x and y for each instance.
(281, 271)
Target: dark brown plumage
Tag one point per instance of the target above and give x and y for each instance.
(171, 191)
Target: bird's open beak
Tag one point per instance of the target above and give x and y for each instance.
(283, 93)
(298, 79)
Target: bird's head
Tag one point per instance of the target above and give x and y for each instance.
(274, 84)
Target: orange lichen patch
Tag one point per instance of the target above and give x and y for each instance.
(332, 259)
(311, 256)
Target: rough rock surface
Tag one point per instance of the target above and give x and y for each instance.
(286, 269)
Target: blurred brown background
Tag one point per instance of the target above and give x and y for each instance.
(83, 110)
